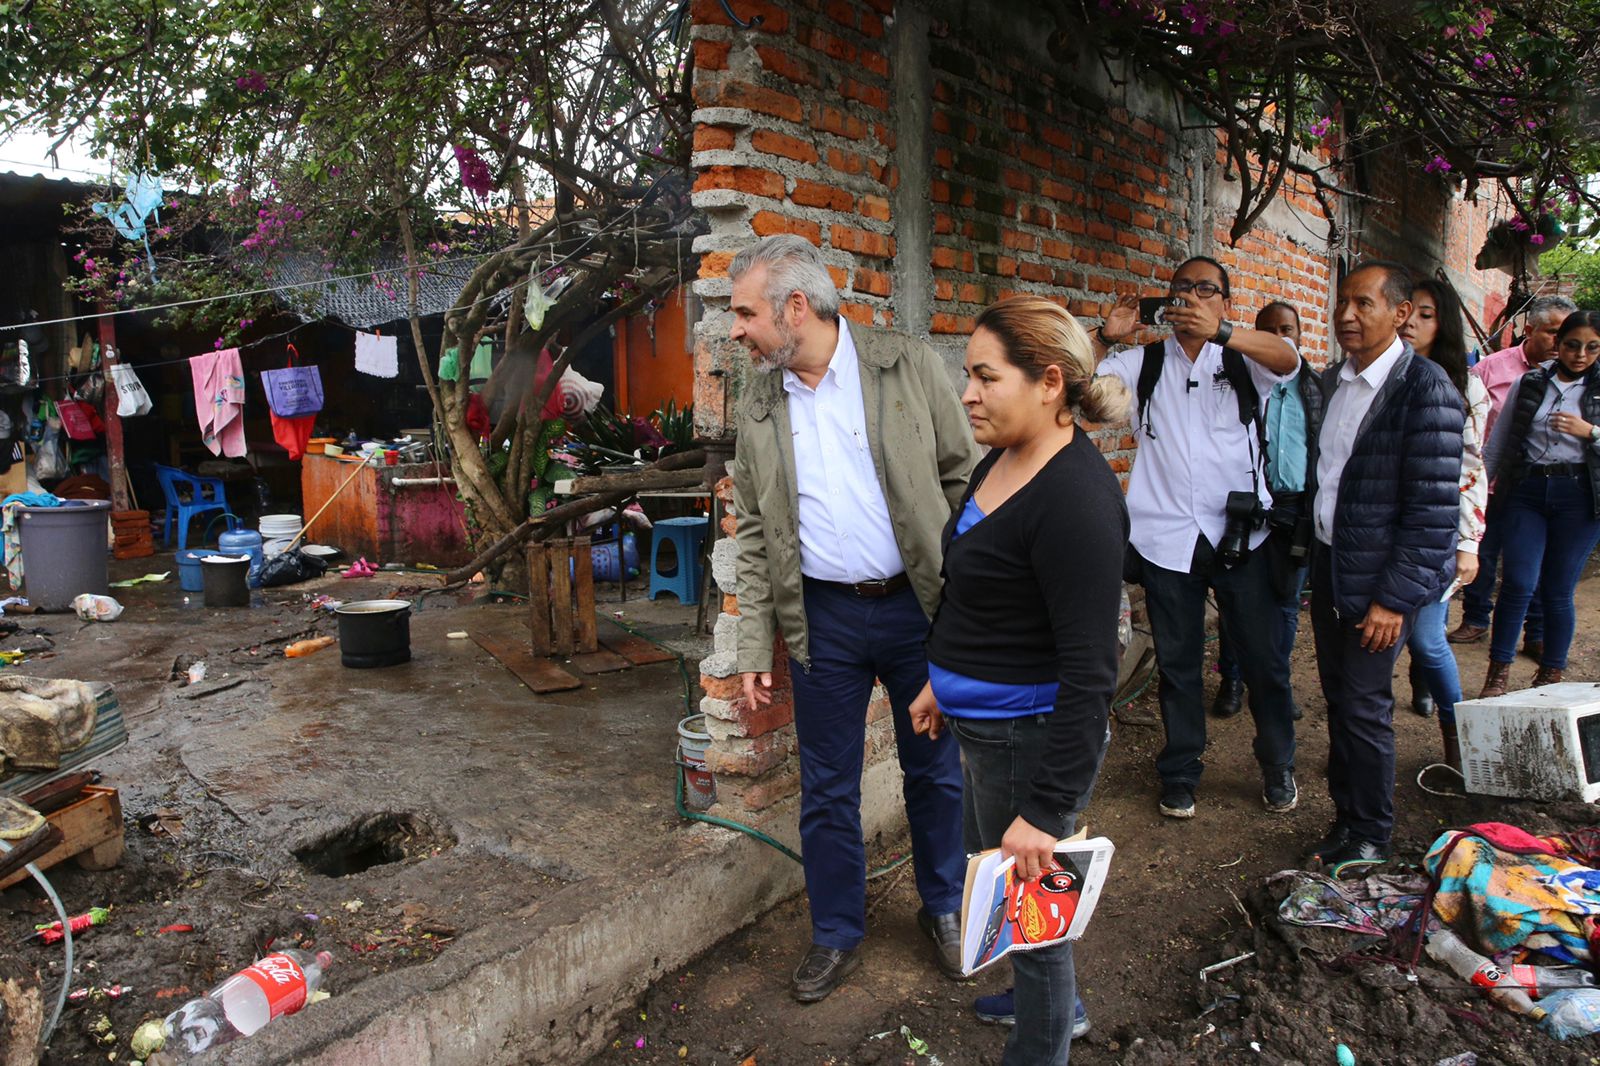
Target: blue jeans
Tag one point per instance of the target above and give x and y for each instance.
(1177, 604)
(1228, 666)
(854, 640)
(1477, 599)
(999, 757)
(1431, 654)
(1550, 531)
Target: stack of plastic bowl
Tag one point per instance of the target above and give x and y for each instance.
(278, 531)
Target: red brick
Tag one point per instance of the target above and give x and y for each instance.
(730, 604)
(763, 718)
(774, 143)
(841, 11)
(766, 223)
(875, 62)
(874, 282)
(851, 239)
(738, 796)
(1016, 179)
(711, 55)
(785, 64)
(1057, 249)
(884, 134)
(972, 294)
(710, 138)
(830, 119)
(871, 95)
(943, 290)
(871, 28)
(722, 688)
(943, 258)
(945, 323)
(1101, 231)
(756, 98)
(1015, 239)
(751, 180)
(816, 194)
(774, 19)
(845, 162)
(874, 207)
(858, 312)
(1035, 272)
(715, 264)
(750, 757)
(826, 43)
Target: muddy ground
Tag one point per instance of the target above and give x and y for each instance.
(1184, 895)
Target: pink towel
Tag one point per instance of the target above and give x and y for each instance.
(219, 401)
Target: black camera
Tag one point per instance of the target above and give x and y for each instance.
(1244, 515)
(1292, 525)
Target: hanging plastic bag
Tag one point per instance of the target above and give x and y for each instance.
(132, 399)
(293, 391)
(79, 419)
(292, 433)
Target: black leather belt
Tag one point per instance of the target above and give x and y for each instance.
(1558, 470)
(871, 590)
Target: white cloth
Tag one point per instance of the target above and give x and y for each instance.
(845, 532)
(1198, 452)
(1351, 402)
(1474, 480)
(377, 355)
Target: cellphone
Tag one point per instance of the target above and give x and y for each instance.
(1152, 309)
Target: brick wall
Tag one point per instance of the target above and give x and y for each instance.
(942, 160)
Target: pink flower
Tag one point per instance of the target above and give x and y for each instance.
(1437, 165)
(252, 81)
(1321, 127)
(475, 176)
(1536, 239)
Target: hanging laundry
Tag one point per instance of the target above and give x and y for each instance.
(13, 533)
(132, 399)
(482, 361)
(219, 401)
(377, 355)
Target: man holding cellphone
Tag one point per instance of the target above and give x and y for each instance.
(1197, 501)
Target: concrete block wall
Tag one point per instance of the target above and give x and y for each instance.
(941, 159)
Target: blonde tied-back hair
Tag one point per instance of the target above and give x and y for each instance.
(1036, 334)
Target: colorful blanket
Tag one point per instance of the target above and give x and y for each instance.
(1505, 888)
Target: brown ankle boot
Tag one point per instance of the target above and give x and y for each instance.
(1452, 745)
(1547, 675)
(1495, 683)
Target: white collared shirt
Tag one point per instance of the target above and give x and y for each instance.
(1198, 453)
(845, 532)
(1351, 402)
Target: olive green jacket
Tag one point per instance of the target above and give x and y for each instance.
(923, 451)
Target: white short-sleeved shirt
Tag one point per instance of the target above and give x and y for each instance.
(1197, 453)
(845, 532)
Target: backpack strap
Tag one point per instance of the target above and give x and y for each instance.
(1244, 390)
(1155, 357)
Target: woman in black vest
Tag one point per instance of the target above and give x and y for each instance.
(1545, 455)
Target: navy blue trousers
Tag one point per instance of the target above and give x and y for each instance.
(854, 641)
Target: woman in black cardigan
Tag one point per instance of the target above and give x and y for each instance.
(1023, 649)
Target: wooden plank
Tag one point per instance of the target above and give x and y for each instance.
(561, 596)
(535, 554)
(92, 821)
(539, 674)
(583, 589)
(600, 662)
(636, 650)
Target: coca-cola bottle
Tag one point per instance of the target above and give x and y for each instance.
(277, 984)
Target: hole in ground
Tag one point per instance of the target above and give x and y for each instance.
(373, 840)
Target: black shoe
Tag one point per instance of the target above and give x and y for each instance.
(1177, 801)
(1279, 792)
(1230, 699)
(945, 932)
(1421, 699)
(822, 971)
(1355, 854)
(1335, 838)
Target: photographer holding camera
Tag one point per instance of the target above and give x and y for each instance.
(1197, 504)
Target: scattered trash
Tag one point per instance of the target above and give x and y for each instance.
(102, 1032)
(1444, 946)
(917, 1045)
(51, 933)
(1574, 1012)
(97, 995)
(176, 928)
(163, 821)
(92, 608)
(278, 984)
(1466, 1058)
(11, 658)
(361, 568)
(15, 601)
(353, 905)
(197, 672)
(460, 634)
(301, 648)
(148, 1039)
(1541, 981)
(147, 579)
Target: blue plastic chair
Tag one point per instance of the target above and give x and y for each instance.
(686, 535)
(204, 494)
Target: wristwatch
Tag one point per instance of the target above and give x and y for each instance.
(1594, 434)
(1100, 335)
(1224, 331)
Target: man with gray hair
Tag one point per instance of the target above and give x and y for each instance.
(853, 452)
(1499, 372)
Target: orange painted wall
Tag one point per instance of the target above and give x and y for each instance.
(652, 370)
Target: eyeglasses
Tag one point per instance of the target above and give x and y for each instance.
(1573, 347)
(1203, 289)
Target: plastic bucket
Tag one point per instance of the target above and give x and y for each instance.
(225, 580)
(699, 786)
(374, 633)
(189, 577)
(63, 552)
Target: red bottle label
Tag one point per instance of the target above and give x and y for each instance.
(1487, 976)
(284, 983)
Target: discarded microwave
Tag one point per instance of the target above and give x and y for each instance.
(1540, 743)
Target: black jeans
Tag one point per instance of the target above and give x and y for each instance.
(1358, 685)
(999, 757)
(1252, 613)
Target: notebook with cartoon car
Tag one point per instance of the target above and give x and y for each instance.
(1000, 913)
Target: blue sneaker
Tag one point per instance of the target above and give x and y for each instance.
(1000, 1009)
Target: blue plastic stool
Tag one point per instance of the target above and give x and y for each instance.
(686, 535)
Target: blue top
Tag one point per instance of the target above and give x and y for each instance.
(961, 696)
(1286, 438)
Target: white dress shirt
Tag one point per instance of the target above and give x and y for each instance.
(1199, 452)
(1351, 402)
(845, 532)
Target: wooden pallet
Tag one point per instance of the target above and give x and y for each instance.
(561, 596)
(92, 829)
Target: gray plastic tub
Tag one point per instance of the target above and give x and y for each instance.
(63, 552)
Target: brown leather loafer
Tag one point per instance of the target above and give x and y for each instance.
(1465, 634)
(822, 971)
(945, 932)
